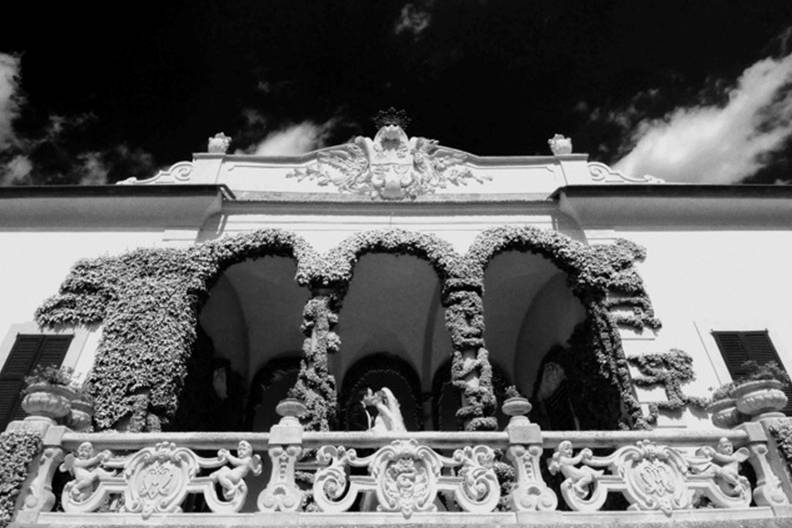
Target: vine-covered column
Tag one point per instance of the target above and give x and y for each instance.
(471, 371)
(315, 386)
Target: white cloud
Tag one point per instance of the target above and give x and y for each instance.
(9, 101)
(718, 144)
(412, 19)
(92, 169)
(294, 140)
(16, 171)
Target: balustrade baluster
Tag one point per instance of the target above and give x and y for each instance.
(285, 448)
(531, 493)
(768, 491)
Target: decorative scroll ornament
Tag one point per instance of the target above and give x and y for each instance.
(177, 173)
(601, 173)
(406, 477)
(652, 477)
(390, 167)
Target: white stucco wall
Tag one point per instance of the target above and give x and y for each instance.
(701, 281)
(35, 263)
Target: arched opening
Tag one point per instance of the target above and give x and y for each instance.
(249, 322)
(529, 313)
(392, 309)
(270, 385)
(375, 372)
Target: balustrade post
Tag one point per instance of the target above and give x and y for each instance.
(768, 491)
(36, 494)
(285, 447)
(531, 493)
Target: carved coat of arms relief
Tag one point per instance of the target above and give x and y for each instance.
(392, 166)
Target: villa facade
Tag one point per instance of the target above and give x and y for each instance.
(352, 336)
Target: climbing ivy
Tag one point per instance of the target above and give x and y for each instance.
(148, 302)
(669, 370)
(781, 430)
(315, 385)
(17, 450)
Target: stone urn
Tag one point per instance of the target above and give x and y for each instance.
(516, 406)
(81, 417)
(760, 398)
(560, 145)
(48, 401)
(290, 410)
(724, 413)
(218, 144)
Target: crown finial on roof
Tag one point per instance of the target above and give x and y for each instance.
(392, 116)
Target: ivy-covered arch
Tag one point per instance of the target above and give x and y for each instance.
(339, 263)
(148, 301)
(471, 371)
(603, 277)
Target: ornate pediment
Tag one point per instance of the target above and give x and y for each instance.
(392, 166)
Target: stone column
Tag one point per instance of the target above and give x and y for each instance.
(471, 371)
(315, 386)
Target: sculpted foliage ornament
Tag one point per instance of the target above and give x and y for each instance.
(389, 167)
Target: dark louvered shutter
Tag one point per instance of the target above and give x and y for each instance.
(739, 347)
(28, 352)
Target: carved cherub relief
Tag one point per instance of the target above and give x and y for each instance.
(580, 478)
(87, 471)
(232, 479)
(726, 466)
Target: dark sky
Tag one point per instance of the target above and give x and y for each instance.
(131, 86)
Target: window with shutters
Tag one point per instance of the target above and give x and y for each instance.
(739, 347)
(28, 352)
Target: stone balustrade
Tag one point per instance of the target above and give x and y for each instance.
(522, 472)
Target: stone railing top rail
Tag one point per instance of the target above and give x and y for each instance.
(435, 439)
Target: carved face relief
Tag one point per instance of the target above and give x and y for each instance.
(244, 449)
(85, 450)
(725, 447)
